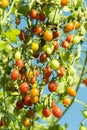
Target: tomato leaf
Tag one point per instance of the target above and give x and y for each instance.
(85, 25)
(3, 44)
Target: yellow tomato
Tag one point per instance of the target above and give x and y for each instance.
(4, 3)
(26, 122)
(30, 74)
(35, 47)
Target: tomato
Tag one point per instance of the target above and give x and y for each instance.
(71, 91)
(23, 36)
(66, 101)
(85, 81)
(85, 113)
(53, 104)
(34, 99)
(77, 24)
(34, 92)
(35, 47)
(38, 30)
(30, 74)
(19, 104)
(23, 77)
(61, 71)
(8, 48)
(24, 87)
(48, 49)
(42, 16)
(33, 14)
(55, 34)
(69, 27)
(36, 54)
(26, 122)
(52, 86)
(57, 112)
(17, 55)
(48, 35)
(32, 80)
(69, 38)
(36, 72)
(14, 74)
(76, 39)
(46, 112)
(19, 63)
(46, 79)
(64, 2)
(17, 21)
(65, 44)
(27, 100)
(54, 64)
(34, 85)
(23, 71)
(82, 128)
(43, 57)
(47, 71)
(4, 3)
(31, 113)
(55, 44)
(2, 122)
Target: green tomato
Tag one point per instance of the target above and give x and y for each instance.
(17, 55)
(82, 128)
(54, 64)
(85, 113)
(8, 48)
(48, 49)
(77, 39)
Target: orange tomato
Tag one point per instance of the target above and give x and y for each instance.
(66, 101)
(34, 92)
(64, 2)
(48, 35)
(69, 27)
(77, 25)
(26, 122)
(71, 91)
(34, 99)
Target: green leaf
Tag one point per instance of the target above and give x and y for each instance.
(3, 44)
(78, 3)
(85, 25)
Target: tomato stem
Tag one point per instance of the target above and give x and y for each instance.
(80, 102)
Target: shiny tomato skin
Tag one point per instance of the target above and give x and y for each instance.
(34, 92)
(77, 24)
(57, 112)
(64, 2)
(24, 87)
(43, 57)
(66, 101)
(46, 112)
(48, 35)
(55, 34)
(65, 44)
(38, 30)
(27, 100)
(71, 91)
(52, 87)
(32, 80)
(26, 122)
(47, 71)
(4, 3)
(42, 16)
(69, 38)
(34, 99)
(61, 71)
(19, 104)
(19, 63)
(14, 74)
(85, 81)
(55, 44)
(33, 14)
(69, 27)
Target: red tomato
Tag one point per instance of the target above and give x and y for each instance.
(43, 57)
(46, 79)
(24, 87)
(2, 122)
(55, 34)
(69, 38)
(15, 74)
(65, 44)
(47, 71)
(55, 44)
(32, 80)
(19, 104)
(33, 14)
(19, 63)
(46, 112)
(57, 112)
(38, 30)
(23, 36)
(61, 71)
(27, 100)
(48, 35)
(52, 87)
(85, 81)
(42, 16)
(36, 72)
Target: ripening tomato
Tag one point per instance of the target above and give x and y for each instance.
(82, 128)
(46, 112)
(47, 71)
(36, 72)
(52, 86)
(26, 122)
(71, 91)
(2, 122)
(54, 64)
(64, 2)
(43, 57)
(77, 24)
(65, 44)
(57, 112)
(4, 3)
(53, 104)
(34, 92)
(33, 80)
(24, 87)
(85, 113)
(35, 47)
(17, 55)
(19, 63)
(55, 44)
(8, 48)
(19, 104)
(30, 74)
(34, 99)
(38, 30)
(48, 35)
(17, 21)
(85, 81)
(33, 14)
(31, 113)
(66, 101)
(14, 74)
(34, 85)
(69, 27)
(61, 71)
(42, 16)
(69, 38)
(55, 34)
(27, 100)
(23, 36)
